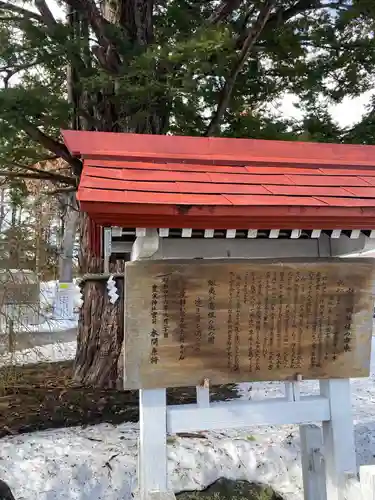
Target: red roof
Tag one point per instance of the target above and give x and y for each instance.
(132, 180)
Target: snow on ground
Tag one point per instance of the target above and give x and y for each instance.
(99, 462)
(50, 326)
(50, 353)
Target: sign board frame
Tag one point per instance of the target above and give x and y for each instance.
(229, 320)
(334, 442)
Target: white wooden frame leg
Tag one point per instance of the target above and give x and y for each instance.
(338, 438)
(293, 391)
(203, 396)
(312, 461)
(152, 452)
(152, 475)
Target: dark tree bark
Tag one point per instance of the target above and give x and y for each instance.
(101, 326)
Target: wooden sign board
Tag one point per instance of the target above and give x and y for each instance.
(231, 321)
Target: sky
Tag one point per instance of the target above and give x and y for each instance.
(346, 114)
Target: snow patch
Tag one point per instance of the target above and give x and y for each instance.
(50, 353)
(99, 462)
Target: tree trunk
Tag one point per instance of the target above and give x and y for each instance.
(39, 240)
(101, 326)
(2, 208)
(68, 239)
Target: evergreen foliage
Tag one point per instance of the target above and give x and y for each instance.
(192, 67)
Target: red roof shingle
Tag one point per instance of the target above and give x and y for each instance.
(164, 181)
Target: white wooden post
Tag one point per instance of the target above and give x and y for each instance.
(107, 247)
(313, 466)
(338, 438)
(203, 396)
(152, 473)
(293, 391)
(289, 393)
(152, 453)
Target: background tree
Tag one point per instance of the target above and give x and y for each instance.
(194, 67)
(31, 228)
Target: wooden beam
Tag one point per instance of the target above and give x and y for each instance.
(233, 414)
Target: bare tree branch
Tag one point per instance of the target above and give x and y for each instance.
(88, 7)
(250, 40)
(282, 15)
(46, 14)
(266, 21)
(24, 170)
(107, 52)
(62, 190)
(226, 8)
(48, 177)
(250, 12)
(5, 162)
(39, 160)
(91, 120)
(96, 19)
(27, 14)
(56, 147)
(101, 55)
(10, 72)
(54, 176)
